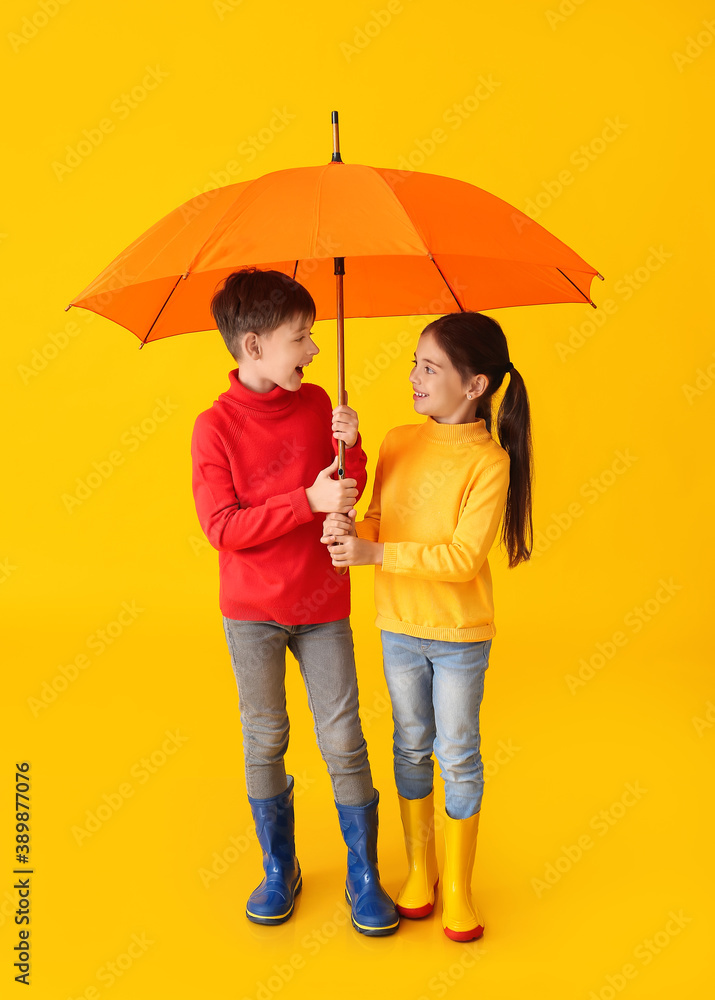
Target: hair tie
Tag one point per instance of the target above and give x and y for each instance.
(510, 367)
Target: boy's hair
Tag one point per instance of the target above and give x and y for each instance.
(258, 301)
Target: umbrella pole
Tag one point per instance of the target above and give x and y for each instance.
(339, 272)
(340, 311)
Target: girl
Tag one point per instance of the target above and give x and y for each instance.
(440, 490)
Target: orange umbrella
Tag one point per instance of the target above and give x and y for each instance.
(410, 239)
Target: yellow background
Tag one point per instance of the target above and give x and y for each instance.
(557, 79)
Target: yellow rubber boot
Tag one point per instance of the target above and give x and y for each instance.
(461, 918)
(416, 897)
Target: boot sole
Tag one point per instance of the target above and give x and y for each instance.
(417, 912)
(370, 931)
(472, 935)
(256, 918)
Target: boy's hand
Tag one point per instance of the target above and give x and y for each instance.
(338, 524)
(345, 424)
(328, 495)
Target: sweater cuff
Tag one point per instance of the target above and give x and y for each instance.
(301, 508)
(389, 557)
(354, 455)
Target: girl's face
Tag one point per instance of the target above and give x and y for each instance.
(438, 388)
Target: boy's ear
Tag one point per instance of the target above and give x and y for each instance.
(250, 343)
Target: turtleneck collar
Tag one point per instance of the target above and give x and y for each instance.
(264, 402)
(447, 434)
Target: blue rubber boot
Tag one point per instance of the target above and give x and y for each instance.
(373, 912)
(272, 902)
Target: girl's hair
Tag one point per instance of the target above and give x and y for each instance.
(251, 299)
(476, 345)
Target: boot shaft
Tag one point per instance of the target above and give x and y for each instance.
(372, 910)
(461, 918)
(359, 827)
(274, 820)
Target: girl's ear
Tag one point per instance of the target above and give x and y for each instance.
(479, 385)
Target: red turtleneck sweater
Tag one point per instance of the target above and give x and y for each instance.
(254, 454)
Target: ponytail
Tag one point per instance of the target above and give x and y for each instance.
(514, 433)
(476, 345)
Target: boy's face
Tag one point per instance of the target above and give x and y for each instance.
(286, 351)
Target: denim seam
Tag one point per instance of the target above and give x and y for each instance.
(311, 703)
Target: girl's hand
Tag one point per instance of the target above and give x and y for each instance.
(351, 551)
(345, 425)
(338, 524)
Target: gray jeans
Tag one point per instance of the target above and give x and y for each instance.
(326, 659)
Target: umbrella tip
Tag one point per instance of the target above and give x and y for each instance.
(68, 307)
(336, 138)
(598, 275)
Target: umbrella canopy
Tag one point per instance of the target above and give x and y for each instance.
(414, 243)
(410, 240)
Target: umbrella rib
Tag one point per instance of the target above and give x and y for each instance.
(161, 311)
(574, 284)
(461, 307)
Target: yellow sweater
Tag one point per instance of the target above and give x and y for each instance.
(437, 501)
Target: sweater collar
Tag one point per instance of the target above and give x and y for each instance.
(447, 434)
(265, 402)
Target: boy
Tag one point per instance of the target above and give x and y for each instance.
(262, 464)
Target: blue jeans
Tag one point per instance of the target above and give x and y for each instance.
(436, 689)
